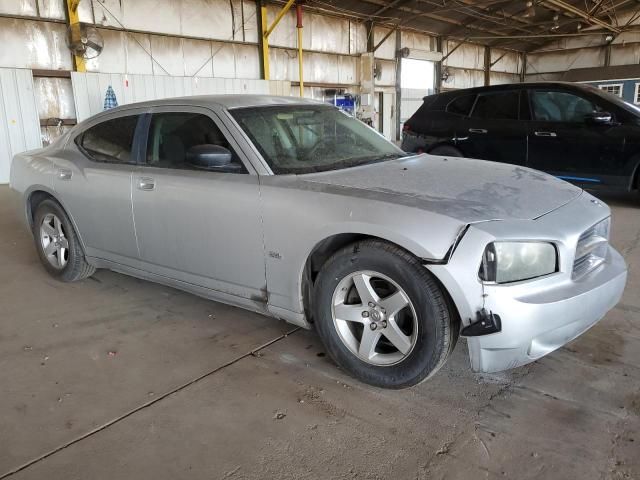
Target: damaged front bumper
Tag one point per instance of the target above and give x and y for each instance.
(536, 316)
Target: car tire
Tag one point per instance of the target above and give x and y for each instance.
(58, 245)
(446, 151)
(428, 322)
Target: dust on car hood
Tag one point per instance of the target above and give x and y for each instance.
(465, 189)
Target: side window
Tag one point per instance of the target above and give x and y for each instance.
(497, 106)
(172, 135)
(552, 106)
(110, 141)
(461, 105)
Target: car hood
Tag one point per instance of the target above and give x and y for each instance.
(465, 189)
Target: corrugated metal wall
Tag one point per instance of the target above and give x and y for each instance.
(89, 88)
(19, 123)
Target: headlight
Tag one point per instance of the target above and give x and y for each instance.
(505, 262)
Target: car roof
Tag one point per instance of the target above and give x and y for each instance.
(225, 101)
(512, 86)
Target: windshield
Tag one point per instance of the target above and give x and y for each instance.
(312, 138)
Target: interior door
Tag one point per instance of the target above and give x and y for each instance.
(564, 143)
(494, 131)
(93, 180)
(198, 226)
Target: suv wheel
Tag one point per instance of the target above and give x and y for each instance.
(446, 151)
(382, 316)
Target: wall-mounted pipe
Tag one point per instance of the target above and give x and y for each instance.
(300, 59)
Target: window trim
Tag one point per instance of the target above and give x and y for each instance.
(604, 86)
(499, 92)
(248, 168)
(135, 151)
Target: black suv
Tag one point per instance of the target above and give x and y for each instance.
(576, 132)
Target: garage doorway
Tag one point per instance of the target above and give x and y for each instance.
(417, 79)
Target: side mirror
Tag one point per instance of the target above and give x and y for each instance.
(599, 118)
(209, 157)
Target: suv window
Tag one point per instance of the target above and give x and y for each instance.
(110, 141)
(553, 106)
(461, 105)
(171, 135)
(497, 106)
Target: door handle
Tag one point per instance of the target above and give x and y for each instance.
(64, 174)
(545, 134)
(477, 130)
(146, 183)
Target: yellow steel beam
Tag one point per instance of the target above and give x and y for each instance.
(265, 43)
(283, 11)
(72, 9)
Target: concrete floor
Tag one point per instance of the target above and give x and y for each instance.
(87, 371)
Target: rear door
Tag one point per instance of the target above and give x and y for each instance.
(493, 130)
(198, 226)
(562, 142)
(93, 180)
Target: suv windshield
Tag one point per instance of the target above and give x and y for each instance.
(312, 138)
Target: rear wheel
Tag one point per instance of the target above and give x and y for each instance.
(382, 316)
(446, 151)
(58, 245)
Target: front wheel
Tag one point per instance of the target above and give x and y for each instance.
(382, 316)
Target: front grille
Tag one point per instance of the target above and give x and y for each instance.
(592, 247)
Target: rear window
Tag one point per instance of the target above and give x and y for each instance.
(461, 105)
(497, 106)
(110, 141)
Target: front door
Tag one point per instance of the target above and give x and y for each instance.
(198, 226)
(564, 143)
(493, 130)
(93, 181)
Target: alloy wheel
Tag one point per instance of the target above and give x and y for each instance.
(55, 244)
(374, 317)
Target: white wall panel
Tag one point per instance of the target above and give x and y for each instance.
(52, 9)
(417, 41)
(388, 49)
(167, 51)
(89, 88)
(466, 55)
(32, 44)
(247, 61)
(224, 63)
(114, 55)
(197, 57)
(463, 78)
(625, 55)
(544, 77)
(388, 68)
(357, 38)
(18, 7)
(561, 61)
(54, 97)
(250, 21)
(19, 123)
(509, 63)
(195, 18)
(499, 78)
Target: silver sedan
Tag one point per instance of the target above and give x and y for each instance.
(293, 209)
